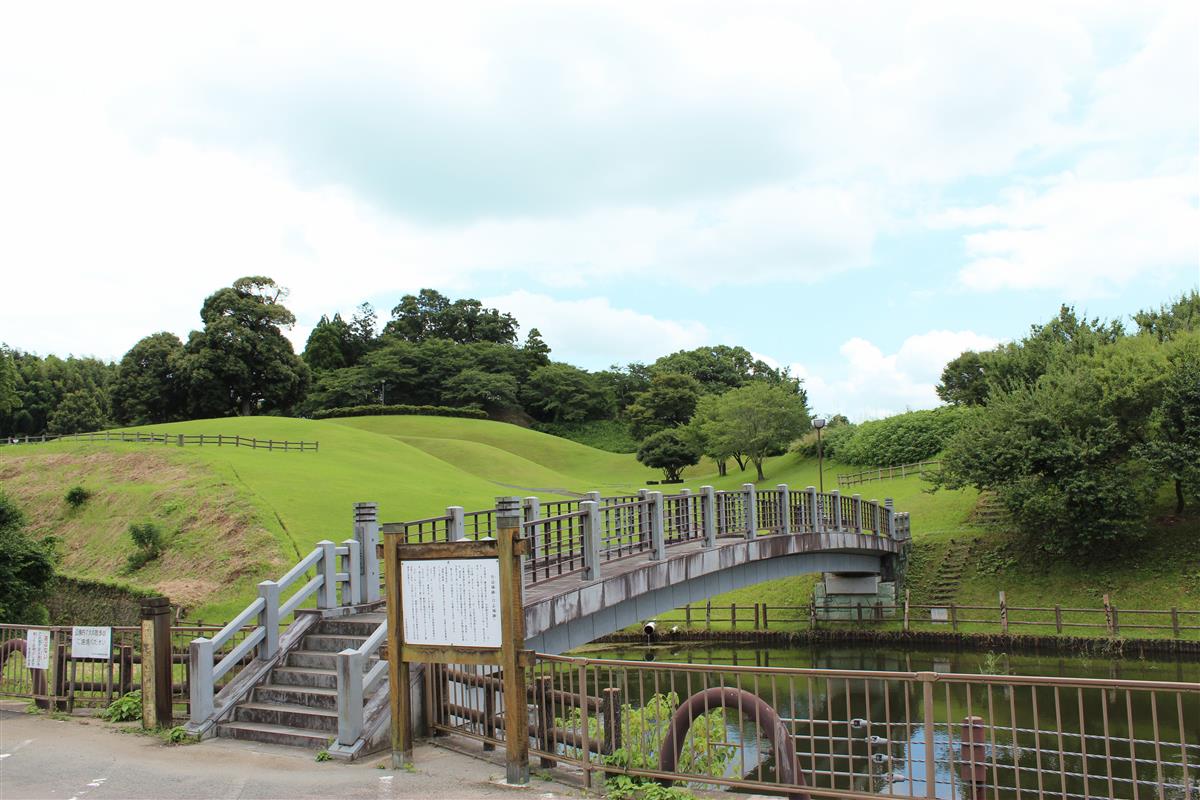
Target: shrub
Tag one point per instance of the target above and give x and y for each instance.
(26, 568)
(900, 439)
(150, 543)
(125, 708)
(77, 496)
(467, 412)
(603, 434)
(669, 451)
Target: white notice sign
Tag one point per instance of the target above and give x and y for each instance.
(939, 614)
(452, 602)
(89, 642)
(37, 649)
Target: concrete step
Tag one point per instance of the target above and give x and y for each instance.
(319, 659)
(274, 734)
(304, 677)
(309, 719)
(332, 642)
(356, 625)
(307, 696)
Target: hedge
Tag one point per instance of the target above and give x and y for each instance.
(468, 412)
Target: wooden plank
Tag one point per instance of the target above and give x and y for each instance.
(445, 654)
(485, 548)
(512, 615)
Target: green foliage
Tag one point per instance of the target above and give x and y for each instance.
(670, 451)
(604, 434)
(900, 439)
(378, 410)
(150, 542)
(625, 787)
(77, 496)
(563, 393)
(669, 401)
(79, 411)
(125, 708)
(147, 388)
(26, 568)
(10, 399)
(42, 384)
(477, 387)
(1167, 322)
(1173, 450)
(718, 368)
(178, 735)
(759, 419)
(431, 315)
(323, 755)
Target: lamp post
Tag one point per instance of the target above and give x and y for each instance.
(819, 423)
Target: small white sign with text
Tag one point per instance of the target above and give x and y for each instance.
(37, 649)
(452, 602)
(91, 642)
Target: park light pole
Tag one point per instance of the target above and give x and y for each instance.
(819, 423)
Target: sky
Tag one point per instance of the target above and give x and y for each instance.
(857, 191)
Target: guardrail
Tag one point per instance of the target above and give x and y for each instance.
(842, 733)
(177, 439)
(886, 473)
(570, 537)
(333, 566)
(355, 682)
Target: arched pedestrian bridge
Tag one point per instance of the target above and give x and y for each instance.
(599, 564)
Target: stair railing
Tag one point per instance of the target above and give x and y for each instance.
(354, 685)
(334, 565)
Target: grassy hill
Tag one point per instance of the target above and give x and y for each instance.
(235, 516)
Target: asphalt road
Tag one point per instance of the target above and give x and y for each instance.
(86, 759)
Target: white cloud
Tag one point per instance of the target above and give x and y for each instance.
(868, 383)
(596, 334)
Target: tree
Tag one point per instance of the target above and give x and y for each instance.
(1173, 450)
(703, 430)
(26, 568)
(565, 394)
(327, 344)
(669, 451)
(490, 390)
(148, 387)
(241, 362)
(719, 368)
(77, 413)
(1168, 321)
(760, 419)
(10, 400)
(669, 401)
(431, 315)
(963, 381)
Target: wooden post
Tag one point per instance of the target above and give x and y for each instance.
(1108, 616)
(1057, 618)
(1175, 622)
(610, 719)
(906, 596)
(1003, 614)
(512, 623)
(766, 625)
(398, 697)
(687, 616)
(953, 617)
(708, 616)
(733, 616)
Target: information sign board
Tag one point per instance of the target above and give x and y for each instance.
(91, 642)
(939, 614)
(453, 602)
(37, 649)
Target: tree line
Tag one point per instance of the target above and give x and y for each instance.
(432, 351)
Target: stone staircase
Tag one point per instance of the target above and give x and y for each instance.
(297, 703)
(949, 574)
(988, 511)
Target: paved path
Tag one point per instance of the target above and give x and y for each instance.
(86, 759)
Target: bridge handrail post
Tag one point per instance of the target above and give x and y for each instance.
(785, 502)
(200, 679)
(531, 511)
(835, 498)
(814, 509)
(591, 539)
(658, 545)
(890, 519)
(751, 511)
(327, 594)
(685, 523)
(349, 696)
(708, 500)
(456, 528)
(268, 619)
(353, 588)
(366, 531)
(857, 511)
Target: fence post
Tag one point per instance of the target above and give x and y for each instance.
(708, 502)
(1108, 617)
(751, 511)
(1175, 622)
(268, 618)
(814, 511)
(353, 590)
(179, 439)
(327, 595)
(835, 497)
(658, 546)
(953, 616)
(200, 679)
(366, 530)
(1057, 618)
(906, 598)
(1003, 614)
(591, 539)
(156, 662)
(350, 697)
(857, 513)
(785, 509)
(456, 529)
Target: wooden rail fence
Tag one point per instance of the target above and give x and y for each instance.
(886, 473)
(177, 439)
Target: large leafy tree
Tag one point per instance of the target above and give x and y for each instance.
(669, 450)
(241, 362)
(492, 391)
(563, 393)
(10, 399)
(148, 386)
(26, 568)
(1169, 321)
(669, 401)
(718, 368)
(429, 314)
(1173, 450)
(759, 419)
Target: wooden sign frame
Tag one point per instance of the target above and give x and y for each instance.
(511, 656)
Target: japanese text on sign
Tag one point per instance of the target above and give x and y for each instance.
(88, 642)
(37, 649)
(452, 602)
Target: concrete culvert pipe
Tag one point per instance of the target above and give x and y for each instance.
(650, 628)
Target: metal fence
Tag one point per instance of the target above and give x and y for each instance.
(843, 734)
(177, 439)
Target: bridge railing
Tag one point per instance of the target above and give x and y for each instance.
(332, 567)
(843, 733)
(357, 677)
